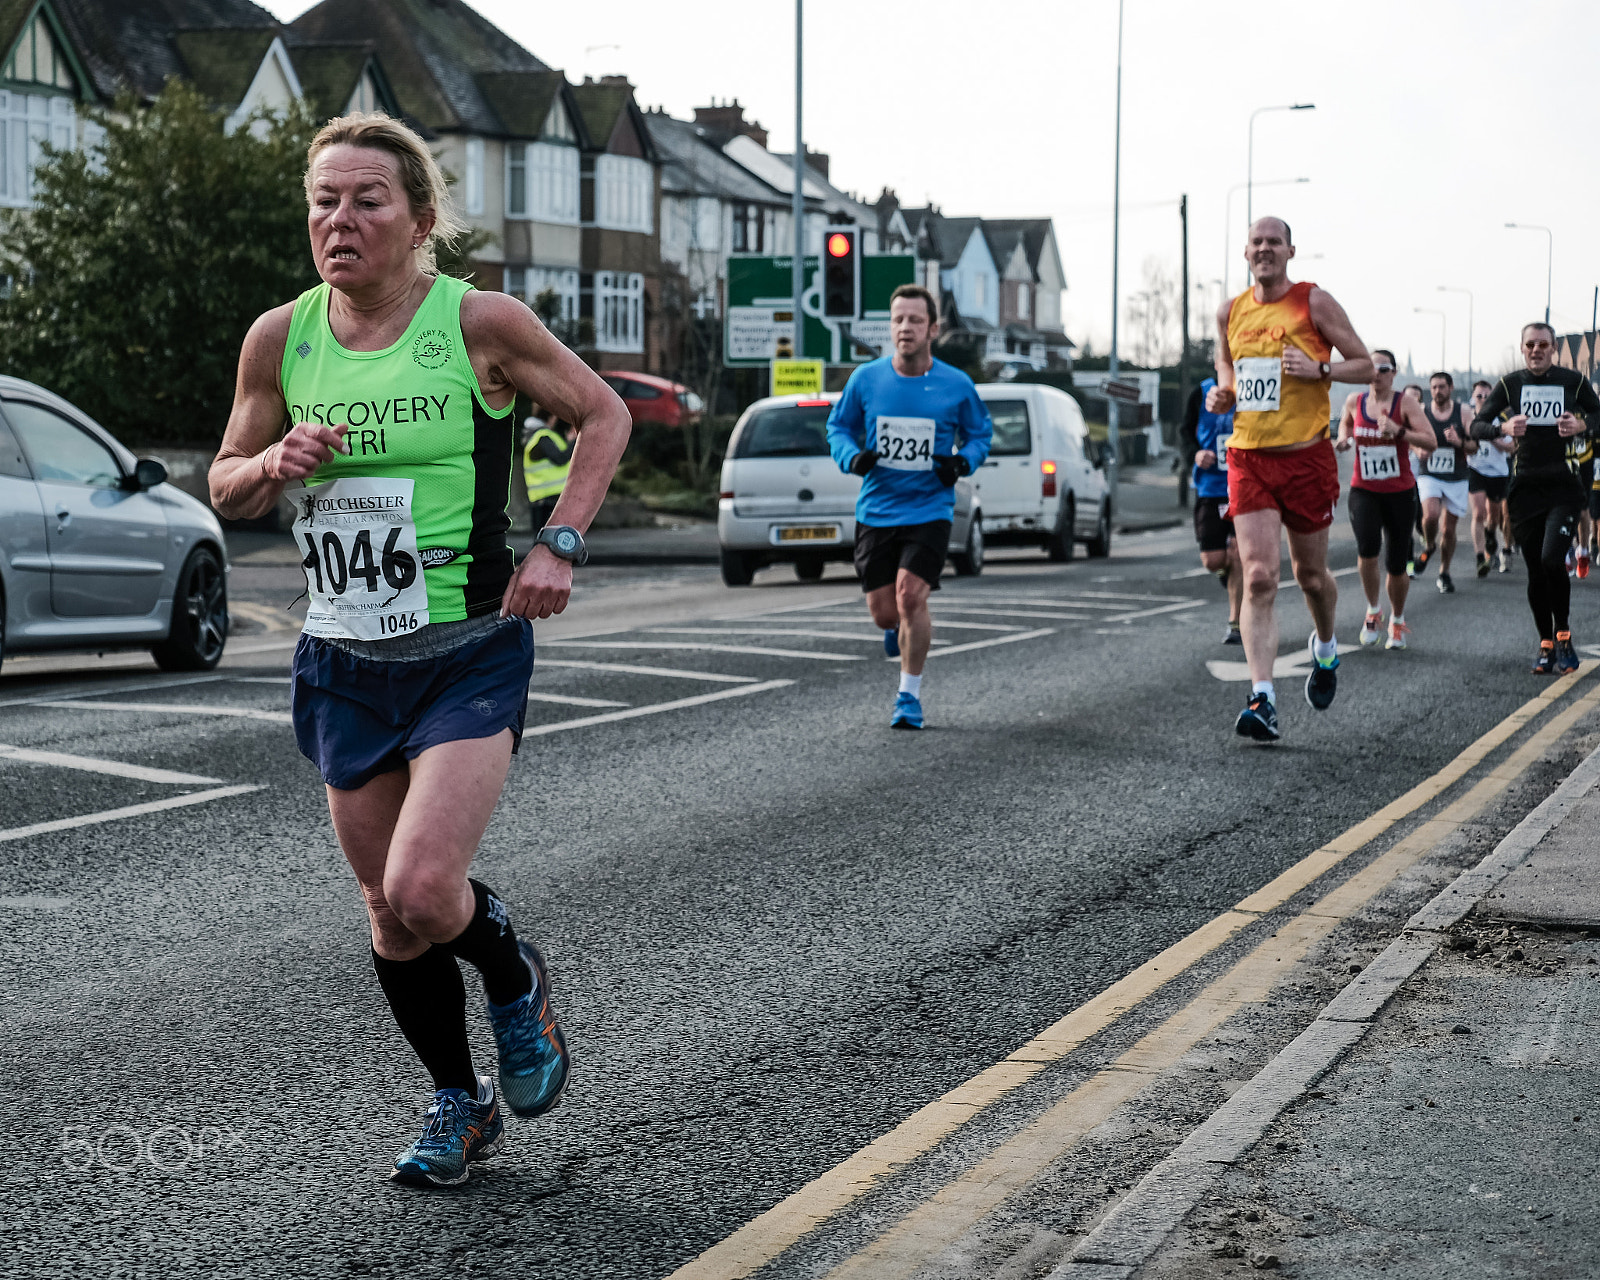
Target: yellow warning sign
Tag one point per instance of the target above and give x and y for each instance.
(797, 377)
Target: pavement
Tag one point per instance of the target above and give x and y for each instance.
(842, 1001)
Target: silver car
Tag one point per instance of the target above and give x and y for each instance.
(96, 549)
(783, 498)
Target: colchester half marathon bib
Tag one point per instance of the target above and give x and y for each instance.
(905, 444)
(363, 572)
(1258, 382)
(1378, 462)
(1442, 462)
(1220, 448)
(1543, 405)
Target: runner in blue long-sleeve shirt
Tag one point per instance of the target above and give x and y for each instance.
(910, 426)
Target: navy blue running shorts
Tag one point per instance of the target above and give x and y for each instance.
(358, 717)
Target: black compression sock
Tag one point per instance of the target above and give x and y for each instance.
(429, 1002)
(490, 946)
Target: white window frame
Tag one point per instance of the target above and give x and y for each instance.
(624, 194)
(517, 180)
(619, 311)
(27, 120)
(527, 283)
(1022, 302)
(542, 182)
(472, 180)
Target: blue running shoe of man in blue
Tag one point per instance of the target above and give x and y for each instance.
(891, 642)
(533, 1052)
(907, 712)
(460, 1129)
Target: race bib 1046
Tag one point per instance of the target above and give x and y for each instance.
(1543, 405)
(1441, 462)
(1258, 383)
(1378, 462)
(905, 444)
(363, 572)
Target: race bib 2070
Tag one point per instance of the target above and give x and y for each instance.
(1543, 405)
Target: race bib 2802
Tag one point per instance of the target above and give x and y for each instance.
(363, 572)
(1258, 383)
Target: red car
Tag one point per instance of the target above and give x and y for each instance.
(653, 399)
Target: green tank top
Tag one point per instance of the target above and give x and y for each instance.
(415, 413)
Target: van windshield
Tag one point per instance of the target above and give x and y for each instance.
(788, 431)
(1011, 433)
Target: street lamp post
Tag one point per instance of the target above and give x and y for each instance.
(1250, 157)
(1113, 413)
(1227, 221)
(1450, 288)
(1549, 261)
(1443, 325)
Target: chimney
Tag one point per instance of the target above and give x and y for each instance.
(818, 160)
(621, 81)
(722, 123)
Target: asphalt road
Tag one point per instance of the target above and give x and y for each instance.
(775, 927)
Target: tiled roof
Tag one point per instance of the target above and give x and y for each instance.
(1034, 232)
(221, 64)
(521, 99)
(433, 50)
(691, 165)
(329, 72)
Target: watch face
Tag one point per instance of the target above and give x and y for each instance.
(567, 540)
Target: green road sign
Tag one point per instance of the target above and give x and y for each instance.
(759, 326)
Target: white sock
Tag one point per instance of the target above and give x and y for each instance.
(1374, 607)
(1398, 619)
(1264, 686)
(911, 685)
(1326, 649)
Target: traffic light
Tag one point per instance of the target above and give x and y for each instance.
(841, 273)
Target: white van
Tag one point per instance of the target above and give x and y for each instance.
(1040, 485)
(784, 499)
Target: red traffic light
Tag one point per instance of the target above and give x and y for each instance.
(838, 245)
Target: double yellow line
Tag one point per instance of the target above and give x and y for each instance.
(960, 1204)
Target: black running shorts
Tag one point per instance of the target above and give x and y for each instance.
(882, 551)
(1383, 517)
(1494, 486)
(1212, 529)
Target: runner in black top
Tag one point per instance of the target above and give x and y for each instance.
(1442, 481)
(1545, 494)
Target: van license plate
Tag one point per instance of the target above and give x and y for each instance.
(809, 533)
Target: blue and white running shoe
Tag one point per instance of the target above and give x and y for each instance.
(907, 712)
(891, 642)
(1322, 683)
(533, 1052)
(460, 1130)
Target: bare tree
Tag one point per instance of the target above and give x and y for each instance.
(1155, 316)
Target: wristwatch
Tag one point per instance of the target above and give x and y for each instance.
(1327, 369)
(565, 541)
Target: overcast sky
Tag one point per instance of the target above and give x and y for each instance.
(1435, 124)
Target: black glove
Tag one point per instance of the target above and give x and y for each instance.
(951, 467)
(863, 462)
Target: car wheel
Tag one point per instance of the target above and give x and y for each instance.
(199, 616)
(969, 562)
(1059, 545)
(738, 567)
(1099, 546)
(809, 568)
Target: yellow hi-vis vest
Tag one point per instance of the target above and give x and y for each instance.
(544, 479)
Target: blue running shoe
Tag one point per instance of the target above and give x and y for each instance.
(533, 1052)
(461, 1129)
(891, 642)
(907, 712)
(1321, 684)
(1259, 719)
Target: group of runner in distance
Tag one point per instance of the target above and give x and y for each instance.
(410, 695)
(1519, 462)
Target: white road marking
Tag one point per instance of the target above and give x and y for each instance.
(1148, 613)
(674, 672)
(114, 768)
(706, 648)
(1089, 600)
(985, 644)
(569, 701)
(1335, 573)
(131, 811)
(1053, 615)
(93, 692)
(1285, 664)
(654, 708)
(786, 609)
(176, 708)
(941, 622)
(767, 631)
(1189, 573)
(259, 679)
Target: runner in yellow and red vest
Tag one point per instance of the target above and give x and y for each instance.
(1275, 345)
